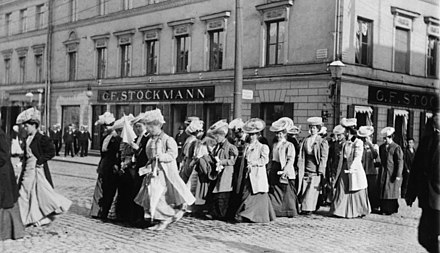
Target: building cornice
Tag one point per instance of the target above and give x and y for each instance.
(100, 36)
(272, 5)
(125, 32)
(403, 12)
(19, 36)
(218, 15)
(431, 20)
(187, 21)
(150, 27)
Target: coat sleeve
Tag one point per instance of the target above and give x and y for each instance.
(47, 150)
(357, 155)
(398, 162)
(290, 159)
(232, 156)
(324, 156)
(170, 151)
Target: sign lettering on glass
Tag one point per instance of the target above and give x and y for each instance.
(205, 93)
(385, 96)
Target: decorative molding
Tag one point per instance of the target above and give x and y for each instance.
(129, 32)
(273, 5)
(218, 15)
(402, 12)
(188, 21)
(38, 49)
(100, 36)
(151, 32)
(150, 27)
(22, 51)
(275, 10)
(7, 54)
(101, 40)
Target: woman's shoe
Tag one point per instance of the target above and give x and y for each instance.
(163, 225)
(43, 222)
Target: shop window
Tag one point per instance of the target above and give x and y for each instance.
(216, 39)
(145, 108)
(182, 53)
(275, 42)
(125, 59)
(152, 53)
(402, 121)
(365, 116)
(432, 56)
(122, 110)
(97, 130)
(22, 63)
(70, 115)
(401, 51)
(364, 43)
(178, 114)
(72, 65)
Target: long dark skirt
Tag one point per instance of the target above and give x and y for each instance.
(283, 196)
(429, 229)
(373, 190)
(11, 226)
(255, 207)
(128, 187)
(219, 205)
(97, 196)
(389, 206)
(349, 204)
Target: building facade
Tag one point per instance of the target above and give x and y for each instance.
(129, 56)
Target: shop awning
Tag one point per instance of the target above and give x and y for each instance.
(404, 113)
(363, 109)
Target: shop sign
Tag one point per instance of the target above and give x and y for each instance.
(247, 94)
(205, 93)
(385, 96)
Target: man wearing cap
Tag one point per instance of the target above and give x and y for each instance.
(391, 157)
(424, 183)
(312, 163)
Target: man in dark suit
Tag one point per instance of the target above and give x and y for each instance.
(55, 136)
(68, 139)
(180, 140)
(83, 140)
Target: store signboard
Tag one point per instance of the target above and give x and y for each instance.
(386, 96)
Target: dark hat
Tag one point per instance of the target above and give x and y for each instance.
(181, 128)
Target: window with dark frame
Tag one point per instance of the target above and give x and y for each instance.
(275, 42)
(39, 68)
(23, 20)
(7, 63)
(432, 56)
(125, 60)
(102, 62)
(39, 16)
(364, 42)
(401, 51)
(22, 63)
(182, 53)
(72, 65)
(151, 50)
(8, 30)
(216, 49)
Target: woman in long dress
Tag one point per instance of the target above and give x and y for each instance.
(11, 226)
(163, 193)
(282, 174)
(38, 201)
(351, 197)
(256, 205)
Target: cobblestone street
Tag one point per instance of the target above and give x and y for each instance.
(77, 232)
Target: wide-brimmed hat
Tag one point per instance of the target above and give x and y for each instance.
(140, 118)
(339, 129)
(220, 126)
(351, 122)
(314, 121)
(31, 115)
(294, 130)
(254, 125)
(365, 131)
(105, 119)
(323, 130)
(194, 127)
(119, 124)
(236, 124)
(282, 124)
(154, 116)
(191, 118)
(387, 131)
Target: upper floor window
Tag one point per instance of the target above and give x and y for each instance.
(432, 56)
(7, 63)
(216, 39)
(152, 53)
(275, 42)
(71, 57)
(125, 59)
(39, 68)
(182, 36)
(101, 54)
(22, 64)
(401, 51)
(40, 16)
(8, 30)
(127, 4)
(102, 7)
(182, 53)
(23, 20)
(73, 10)
(364, 42)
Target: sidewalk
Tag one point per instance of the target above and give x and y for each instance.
(87, 160)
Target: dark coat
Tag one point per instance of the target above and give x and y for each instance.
(68, 137)
(368, 159)
(140, 155)
(391, 167)
(408, 158)
(424, 178)
(110, 157)
(43, 149)
(84, 137)
(8, 185)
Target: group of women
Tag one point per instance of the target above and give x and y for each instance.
(32, 201)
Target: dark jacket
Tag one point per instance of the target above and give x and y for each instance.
(111, 157)
(43, 149)
(83, 137)
(424, 178)
(408, 157)
(368, 159)
(68, 137)
(391, 167)
(140, 155)
(8, 185)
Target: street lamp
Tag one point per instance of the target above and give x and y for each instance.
(336, 69)
(30, 96)
(89, 92)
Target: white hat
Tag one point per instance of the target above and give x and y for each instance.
(323, 130)
(191, 118)
(254, 125)
(387, 131)
(236, 124)
(154, 115)
(314, 121)
(365, 131)
(106, 119)
(339, 129)
(352, 122)
(281, 124)
(119, 124)
(294, 130)
(29, 115)
(220, 126)
(195, 126)
(15, 128)
(139, 118)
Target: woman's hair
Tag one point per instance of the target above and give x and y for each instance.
(155, 123)
(33, 122)
(351, 130)
(317, 126)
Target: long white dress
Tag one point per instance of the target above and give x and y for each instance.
(37, 199)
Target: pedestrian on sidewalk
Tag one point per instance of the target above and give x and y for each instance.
(371, 153)
(11, 225)
(16, 142)
(163, 193)
(408, 157)
(312, 162)
(335, 150)
(68, 139)
(55, 135)
(391, 157)
(424, 184)
(180, 140)
(83, 139)
(351, 196)
(282, 174)
(38, 201)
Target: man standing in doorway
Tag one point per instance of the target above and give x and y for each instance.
(83, 139)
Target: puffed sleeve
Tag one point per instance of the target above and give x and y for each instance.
(47, 150)
(232, 156)
(358, 151)
(170, 153)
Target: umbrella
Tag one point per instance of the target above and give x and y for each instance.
(155, 189)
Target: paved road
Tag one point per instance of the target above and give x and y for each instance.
(76, 232)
